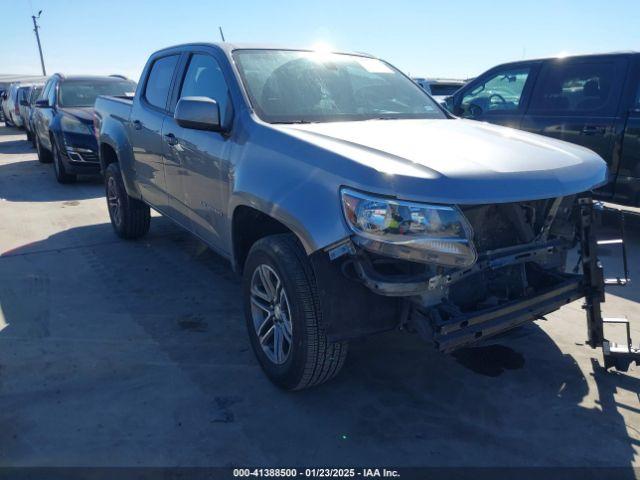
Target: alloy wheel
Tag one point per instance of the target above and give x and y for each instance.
(271, 314)
(113, 201)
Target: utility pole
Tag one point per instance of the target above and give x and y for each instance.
(35, 29)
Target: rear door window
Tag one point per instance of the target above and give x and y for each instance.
(501, 92)
(159, 81)
(577, 87)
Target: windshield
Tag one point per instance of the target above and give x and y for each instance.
(35, 94)
(287, 86)
(83, 93)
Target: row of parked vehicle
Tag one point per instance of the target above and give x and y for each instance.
(349, 200)
(57, 115)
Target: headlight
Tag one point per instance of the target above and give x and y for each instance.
(419, 232)
(71, 125)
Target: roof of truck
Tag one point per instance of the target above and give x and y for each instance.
(230, 47)
(90, 77)
(567, 56)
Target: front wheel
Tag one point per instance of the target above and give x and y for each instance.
(130, 217)
(283, 316)
(44, 156)
(58, 167)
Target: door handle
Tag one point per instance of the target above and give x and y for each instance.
(137, 124)
(171, 139)
(593, 130)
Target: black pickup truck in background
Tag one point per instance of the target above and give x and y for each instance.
(590, 100)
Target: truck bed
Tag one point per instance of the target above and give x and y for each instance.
(117, 107)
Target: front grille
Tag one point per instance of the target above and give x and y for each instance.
(89, 156)
(85, 155)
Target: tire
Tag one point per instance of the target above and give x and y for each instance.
(58, 166)
(130, 217)
(44, 156)
(29, 139)
(306, 357)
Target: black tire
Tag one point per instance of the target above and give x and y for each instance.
(130, 217)
(44, 155)
(58, 166)
(311, 359)
(29, 139)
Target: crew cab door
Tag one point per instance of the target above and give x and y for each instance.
(577, 100)
(627, 186)
(195, 159)
(147, 118)
(499, 96)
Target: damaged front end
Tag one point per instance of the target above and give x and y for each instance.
(464, 273)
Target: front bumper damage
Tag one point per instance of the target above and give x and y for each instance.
(505, 288)
(519, 276)
(468, 328)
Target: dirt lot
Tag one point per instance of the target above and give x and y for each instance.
(135, 353)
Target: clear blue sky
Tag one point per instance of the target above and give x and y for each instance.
(460, 38)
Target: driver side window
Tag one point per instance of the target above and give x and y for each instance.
(499, 93)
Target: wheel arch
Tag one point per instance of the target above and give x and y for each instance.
(118, 150)
(250, 224)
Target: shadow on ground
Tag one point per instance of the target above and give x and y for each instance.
(32, 181)
(9, 131)
(135, 353)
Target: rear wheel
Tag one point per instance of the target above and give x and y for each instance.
(130, 217)
(58, 167)
(283, 316)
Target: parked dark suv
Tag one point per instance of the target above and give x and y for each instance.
(591, 100)
(63, 122)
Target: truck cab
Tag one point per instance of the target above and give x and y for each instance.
(590, 100)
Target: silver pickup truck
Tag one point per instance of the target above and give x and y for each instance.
(350, 202)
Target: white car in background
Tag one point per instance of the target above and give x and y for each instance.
(10, 106)
(440, 88)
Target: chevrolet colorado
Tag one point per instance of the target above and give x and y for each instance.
(350, 202)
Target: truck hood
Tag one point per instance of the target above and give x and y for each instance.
(460, 161)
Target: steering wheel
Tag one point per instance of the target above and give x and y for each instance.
(368, 93)
(498, 96)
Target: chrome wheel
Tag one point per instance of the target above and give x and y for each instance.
(113, 201)
(271, 314)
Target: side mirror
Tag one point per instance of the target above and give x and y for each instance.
(43, 103)
(198, 113)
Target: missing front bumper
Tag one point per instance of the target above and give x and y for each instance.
(461, 330)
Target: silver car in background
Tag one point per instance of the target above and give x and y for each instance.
(10, 107)
(28, 96)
